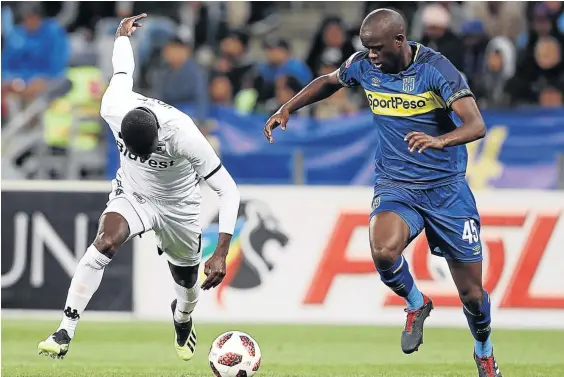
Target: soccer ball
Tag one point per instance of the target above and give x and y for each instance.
(234, 354)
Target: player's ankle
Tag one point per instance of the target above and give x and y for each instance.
(415, 298)
(182, 317)
(483, 349)
(69, 327)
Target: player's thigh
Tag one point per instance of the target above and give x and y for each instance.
(125, 217)
(181, 243)
(394, 223)
(452, 223)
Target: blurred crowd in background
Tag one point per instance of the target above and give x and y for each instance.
(251, 56)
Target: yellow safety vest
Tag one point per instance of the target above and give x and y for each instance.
(82, 101)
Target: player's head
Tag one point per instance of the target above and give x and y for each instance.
(383, 34)
(139, 131)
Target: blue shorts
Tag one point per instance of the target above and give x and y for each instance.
(447, 213)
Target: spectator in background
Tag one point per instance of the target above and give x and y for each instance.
(556, 11)
(551, 97)
(180, 80)
(542, 25)
(233, 58)
(280, 62)
(259, 84)
(285, 89)
(475, 43)
(500, 18)
(534, 73)
(36, 53)
(456, 12)
(221, 90)
(330, 42)
(438, 36)
(499, 67)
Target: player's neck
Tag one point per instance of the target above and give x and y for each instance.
(407, 57)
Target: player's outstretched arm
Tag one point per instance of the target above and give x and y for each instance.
(123, 64)
(317, 90)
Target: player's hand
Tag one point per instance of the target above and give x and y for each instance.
(215, 270)
(420, 141)
(280, 118)
(128, 25)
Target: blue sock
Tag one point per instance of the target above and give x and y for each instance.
(484, 348)
(399, 279)
(414, 299)
(479, 323)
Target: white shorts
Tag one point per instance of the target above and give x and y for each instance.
(176, 225)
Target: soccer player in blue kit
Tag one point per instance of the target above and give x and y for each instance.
(420, 167)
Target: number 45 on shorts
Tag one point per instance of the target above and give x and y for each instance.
(470, 232)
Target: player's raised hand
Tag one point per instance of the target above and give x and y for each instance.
(215, 270)
(280, 118)
(128, 25)
(420, 141)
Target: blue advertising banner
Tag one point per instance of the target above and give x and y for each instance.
(519, 151)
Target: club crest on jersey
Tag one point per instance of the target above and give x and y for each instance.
(409, 84)
(375, 203)
(376, 82)
(161, 147)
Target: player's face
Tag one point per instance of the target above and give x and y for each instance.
(143, 150)
(384, 51)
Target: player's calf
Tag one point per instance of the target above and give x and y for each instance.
(419, 306)
(477, 309)
(187, 294)
(113, 232)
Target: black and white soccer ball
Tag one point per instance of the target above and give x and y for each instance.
(234, 354)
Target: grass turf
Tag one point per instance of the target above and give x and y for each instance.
(144, 349)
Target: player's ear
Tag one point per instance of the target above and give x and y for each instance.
(400, 38)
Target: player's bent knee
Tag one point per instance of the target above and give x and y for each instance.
(107, 244)
(186, 277)
(385, 255)
(472, 298)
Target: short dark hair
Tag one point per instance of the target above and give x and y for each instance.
(139, 131)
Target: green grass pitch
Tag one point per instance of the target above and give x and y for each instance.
(144, 349)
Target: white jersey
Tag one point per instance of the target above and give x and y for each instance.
(183, 155)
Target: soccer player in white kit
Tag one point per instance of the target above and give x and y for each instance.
(163, 156)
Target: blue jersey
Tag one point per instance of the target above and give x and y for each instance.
(416, 99)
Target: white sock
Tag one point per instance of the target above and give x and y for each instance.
(186, 300)
(85, 282)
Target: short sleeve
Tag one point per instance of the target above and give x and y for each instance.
(447, 82)
(193, 145)
(349, 72)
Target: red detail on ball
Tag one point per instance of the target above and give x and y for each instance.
(257, 365)
(248, 344)
(224, 339)
(230, 359)
(214, 370)
(241, 373)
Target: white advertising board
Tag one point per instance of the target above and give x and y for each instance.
(302, 255)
